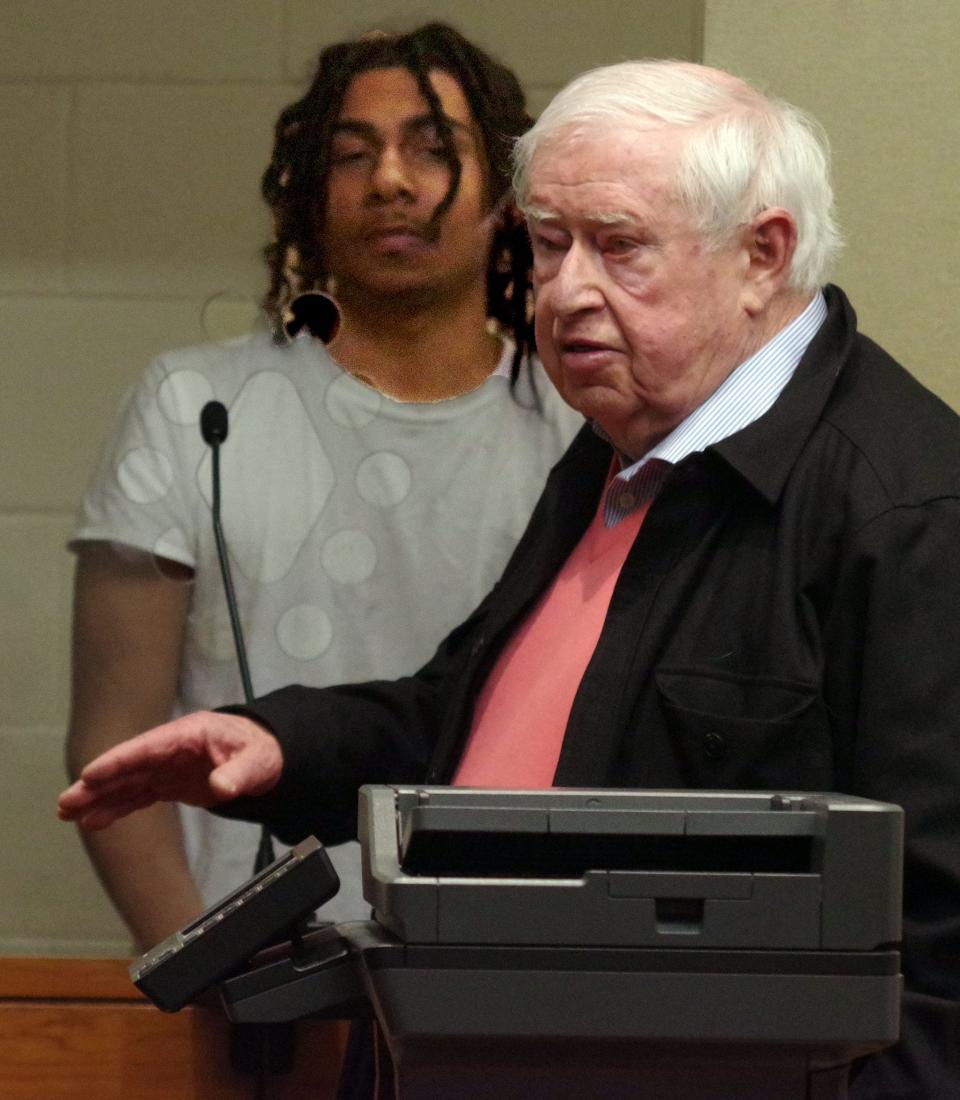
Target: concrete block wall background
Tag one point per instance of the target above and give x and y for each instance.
(133, 135)
(882, 77)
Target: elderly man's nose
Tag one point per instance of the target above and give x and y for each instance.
(577, 284)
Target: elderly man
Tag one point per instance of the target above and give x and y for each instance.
(742, 575)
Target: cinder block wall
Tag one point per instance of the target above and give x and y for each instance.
(133, 135)
(882, 77)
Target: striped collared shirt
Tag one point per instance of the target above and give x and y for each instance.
(744, 396)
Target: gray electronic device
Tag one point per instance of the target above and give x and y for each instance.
(226, 935)
(746, 870)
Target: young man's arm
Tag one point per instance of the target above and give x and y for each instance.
(127, 637)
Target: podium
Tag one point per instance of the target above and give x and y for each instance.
(651, 945)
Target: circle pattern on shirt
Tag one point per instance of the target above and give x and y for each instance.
(145, 475)
(182, 395)
(351, 404)
(349, 556)
(173, 545)
(304, 632)
(383, 479)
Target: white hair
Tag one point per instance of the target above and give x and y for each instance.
(745, 152)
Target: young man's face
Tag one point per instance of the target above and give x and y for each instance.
(387, 175)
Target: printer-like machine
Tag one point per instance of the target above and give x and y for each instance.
(677, 945)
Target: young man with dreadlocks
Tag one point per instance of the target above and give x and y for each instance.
(373, 490)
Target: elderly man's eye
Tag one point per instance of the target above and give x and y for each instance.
(548, 244)
(621, 246)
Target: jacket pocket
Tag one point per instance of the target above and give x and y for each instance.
(738, 732)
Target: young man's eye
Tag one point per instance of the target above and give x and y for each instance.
(430, 150)
(349, 156)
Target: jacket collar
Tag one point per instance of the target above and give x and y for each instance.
(764, 452)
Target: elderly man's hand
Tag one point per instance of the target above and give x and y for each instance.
(200, 759)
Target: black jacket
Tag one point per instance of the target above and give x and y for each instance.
(788, 617)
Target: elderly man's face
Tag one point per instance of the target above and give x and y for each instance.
(637, 321)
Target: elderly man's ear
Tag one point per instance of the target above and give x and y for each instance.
(769, 242)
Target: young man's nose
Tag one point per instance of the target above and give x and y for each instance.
(392, 177)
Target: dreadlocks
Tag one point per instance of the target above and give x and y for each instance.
(295, 182)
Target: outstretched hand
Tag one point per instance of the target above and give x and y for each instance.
(201, 759)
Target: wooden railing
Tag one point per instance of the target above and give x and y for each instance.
(77, 1029)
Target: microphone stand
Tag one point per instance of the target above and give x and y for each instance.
(214, 426)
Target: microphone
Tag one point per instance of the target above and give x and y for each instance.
(214, 427)
(214, 424)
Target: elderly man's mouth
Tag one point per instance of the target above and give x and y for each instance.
(586, 354)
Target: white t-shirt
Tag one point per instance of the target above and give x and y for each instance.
(360, 529)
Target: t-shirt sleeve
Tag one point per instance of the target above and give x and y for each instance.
(145, 492)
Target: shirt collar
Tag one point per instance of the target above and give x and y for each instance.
(743, 397)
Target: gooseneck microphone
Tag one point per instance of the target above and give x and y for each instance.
(214, 426)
